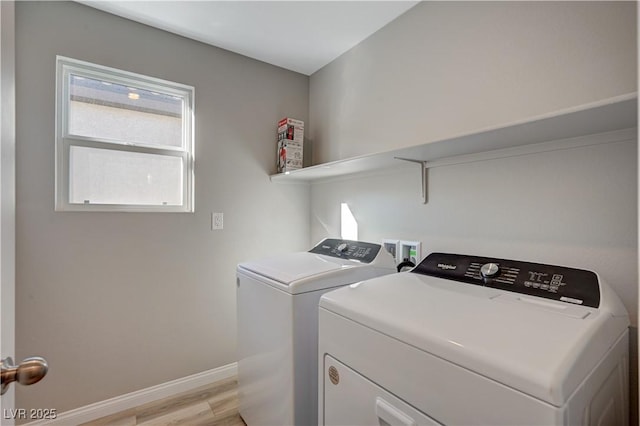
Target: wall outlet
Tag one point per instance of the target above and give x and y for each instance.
(217, 221)
(393, 247)
(411, 251)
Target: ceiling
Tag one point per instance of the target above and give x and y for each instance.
(301, 36)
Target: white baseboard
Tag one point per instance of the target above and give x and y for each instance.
(134, 399)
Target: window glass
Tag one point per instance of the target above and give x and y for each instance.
(105, 110)
(103, 176)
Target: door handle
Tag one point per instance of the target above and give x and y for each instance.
(31, 370)
(392, 415)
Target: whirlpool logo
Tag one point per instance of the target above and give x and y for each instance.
(446, 266)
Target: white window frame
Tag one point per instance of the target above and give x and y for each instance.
(64, 139)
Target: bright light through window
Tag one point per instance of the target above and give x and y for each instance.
(348, 223)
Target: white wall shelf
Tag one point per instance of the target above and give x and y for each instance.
(611, 114)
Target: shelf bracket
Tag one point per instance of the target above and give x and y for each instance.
(424, 170)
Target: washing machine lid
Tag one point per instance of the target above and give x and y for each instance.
(541, 347)
(292, 267)
(331, 263)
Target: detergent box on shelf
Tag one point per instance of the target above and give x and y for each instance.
(290, 145)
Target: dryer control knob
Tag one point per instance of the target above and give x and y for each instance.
(342, 247)
(489, 270)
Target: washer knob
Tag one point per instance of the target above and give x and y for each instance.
(342, 247)
(489, 270)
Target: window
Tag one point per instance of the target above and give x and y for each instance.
(124, 141)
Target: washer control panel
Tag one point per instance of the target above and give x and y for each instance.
(347, 249)
(569, 285)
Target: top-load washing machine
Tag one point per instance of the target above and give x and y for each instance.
(278, 325)
(466, 340)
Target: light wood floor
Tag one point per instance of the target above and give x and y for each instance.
(214, 405)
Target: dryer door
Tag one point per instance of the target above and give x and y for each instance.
(352, 399)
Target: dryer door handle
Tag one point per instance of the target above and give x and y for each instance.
(392, 415)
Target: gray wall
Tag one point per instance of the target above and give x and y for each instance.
(118, 302)
(445, 69)
(576, 207)
(449, 68)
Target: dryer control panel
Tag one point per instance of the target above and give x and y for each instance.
(347, 249)
(569, 285)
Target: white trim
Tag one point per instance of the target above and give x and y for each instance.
(144, 396)
(7, 191)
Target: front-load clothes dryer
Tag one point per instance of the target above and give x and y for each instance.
(278, 325)
(466, 340)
